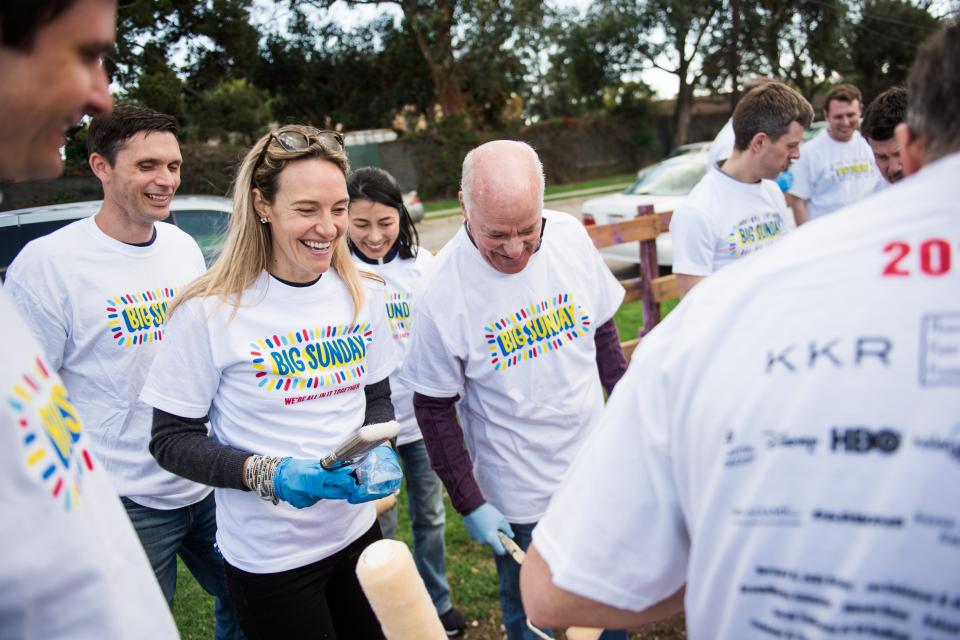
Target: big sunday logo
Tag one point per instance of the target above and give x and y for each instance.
(50, 431)
(534, 331)
(311, 358)
(852, 170)
(398, 313)
(137, 318)
(753, 233)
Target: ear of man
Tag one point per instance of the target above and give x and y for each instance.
(913, 152)
(100, 166)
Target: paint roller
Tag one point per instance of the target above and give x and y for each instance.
(359, 443)
(397, 595)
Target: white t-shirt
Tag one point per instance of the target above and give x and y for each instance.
(519, 350)
(831, 175)
(402, 276)
(793, 457)
(722, 145)
(97, 306)
(723, 219)
(284, 376)
(72, 565)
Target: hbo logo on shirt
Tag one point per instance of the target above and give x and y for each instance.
(863, 440)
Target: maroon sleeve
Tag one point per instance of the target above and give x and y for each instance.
(443, 437)
(611, 362)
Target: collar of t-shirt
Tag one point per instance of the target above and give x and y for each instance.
(730, 181)
(297, 284)
(134, 250)
(268, 289)
(394, 251)
(153, 236)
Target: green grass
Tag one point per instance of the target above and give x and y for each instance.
(450, 203)
(192, 607)
(629, 317)
(609, 181)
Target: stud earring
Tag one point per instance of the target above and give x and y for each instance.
(263, 220)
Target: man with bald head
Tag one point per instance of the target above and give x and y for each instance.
(513, 329)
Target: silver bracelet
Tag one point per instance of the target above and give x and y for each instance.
(260, 474)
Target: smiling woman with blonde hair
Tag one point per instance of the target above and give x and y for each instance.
(279, 349)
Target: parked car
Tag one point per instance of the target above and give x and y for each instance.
(813, 130)
(690, 147)
(412, 201)
(203, 217)
(662, 185)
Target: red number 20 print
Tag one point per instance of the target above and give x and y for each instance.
(934, 257)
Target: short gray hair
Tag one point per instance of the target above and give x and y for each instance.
(468, 179)
(933, 92)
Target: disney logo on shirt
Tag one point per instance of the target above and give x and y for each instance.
(531, 332)
(137, 318)
(311, 359)
(50, 431)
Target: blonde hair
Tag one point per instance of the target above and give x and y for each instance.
(247, 249)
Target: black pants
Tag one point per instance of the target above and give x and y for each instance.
(322, 600)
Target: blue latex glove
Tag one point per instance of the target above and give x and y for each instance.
(378, 476)
(302, 483)
(483, 523)
(785, 180)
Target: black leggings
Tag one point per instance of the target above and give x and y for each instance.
(322, 600)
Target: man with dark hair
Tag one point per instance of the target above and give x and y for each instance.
(736, 208)
(50, 76)
(837, 168)
(780, 453)
(72, 565)
(96, 293)
(880, 120)
(722, 145)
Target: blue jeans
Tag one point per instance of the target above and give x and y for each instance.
(514, 617)
(427, 518)
(191, 532)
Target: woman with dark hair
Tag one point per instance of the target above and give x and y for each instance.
(382, 237)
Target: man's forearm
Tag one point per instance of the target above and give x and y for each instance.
(800, 212)
(548, 605)
(443, 437)
(685, 283)
(611, 363)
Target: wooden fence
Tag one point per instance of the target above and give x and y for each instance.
(650, 287)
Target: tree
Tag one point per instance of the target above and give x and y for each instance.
(321, 74)
(221, 45)
(885, 41)
(467, 46)
(590, 54)
(232, 109)
(680, 37)
(801, 42)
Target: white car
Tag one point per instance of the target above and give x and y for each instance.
(414, 207)
(203, 217)
(663, 185)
